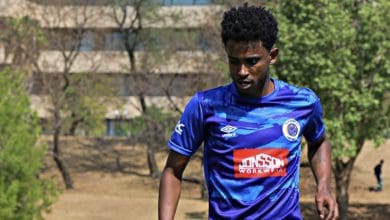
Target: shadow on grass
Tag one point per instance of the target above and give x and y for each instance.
(355, 211)
(103, 155)
(196, 215)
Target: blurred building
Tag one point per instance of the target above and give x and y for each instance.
(178, 27)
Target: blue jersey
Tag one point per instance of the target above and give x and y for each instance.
(251, 148)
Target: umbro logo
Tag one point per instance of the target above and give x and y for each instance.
(179, 128)
(229, 131)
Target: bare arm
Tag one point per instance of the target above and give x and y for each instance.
(170, 185)
(319, 154)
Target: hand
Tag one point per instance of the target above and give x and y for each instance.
(324, 199)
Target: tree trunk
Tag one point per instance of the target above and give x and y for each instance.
(204, 192)
(75, 123)
(57, 154)
(342, 177)
(154, 172)
(152, 164)
(203, 187)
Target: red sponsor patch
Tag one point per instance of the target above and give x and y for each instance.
(255, 163)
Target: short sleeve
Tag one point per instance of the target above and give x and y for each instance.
(315, 128)
(189, 131)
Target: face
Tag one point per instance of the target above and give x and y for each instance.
(248, 64)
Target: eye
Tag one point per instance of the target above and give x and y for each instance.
(252, 61)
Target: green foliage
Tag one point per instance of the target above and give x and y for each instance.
(23, 27)
(82, 103)
(23, 195)
(341, 51)
(155, 124)
(19, 44)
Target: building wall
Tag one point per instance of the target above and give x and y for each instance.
(184, 69)
(101, 16)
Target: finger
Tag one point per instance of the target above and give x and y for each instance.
(336, 212)
(320, 208)
(330, 215)
(332, 207)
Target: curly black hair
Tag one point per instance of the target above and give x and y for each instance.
(249, 23)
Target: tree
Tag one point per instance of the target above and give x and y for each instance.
(74, 96)
(339, 50)
(128, 15)
(58, 85)
(23, 195)
(22, 40)
(148, 50)
(52, 71)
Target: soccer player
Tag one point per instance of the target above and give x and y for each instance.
(252, 130)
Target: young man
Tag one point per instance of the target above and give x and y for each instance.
(252, 131)
(378, 175)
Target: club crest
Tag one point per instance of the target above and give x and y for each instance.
(291, 129)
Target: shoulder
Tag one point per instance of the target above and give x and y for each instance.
(217, 91)
(303, 94)
(215, 95)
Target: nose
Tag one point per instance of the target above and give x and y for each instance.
(244, 71)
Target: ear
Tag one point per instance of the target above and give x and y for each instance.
(273, 54)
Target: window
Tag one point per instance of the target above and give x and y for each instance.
(114, 41)
(117, 127)
(173, 39)
(87, 41)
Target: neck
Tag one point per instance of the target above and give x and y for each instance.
(268, 86)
